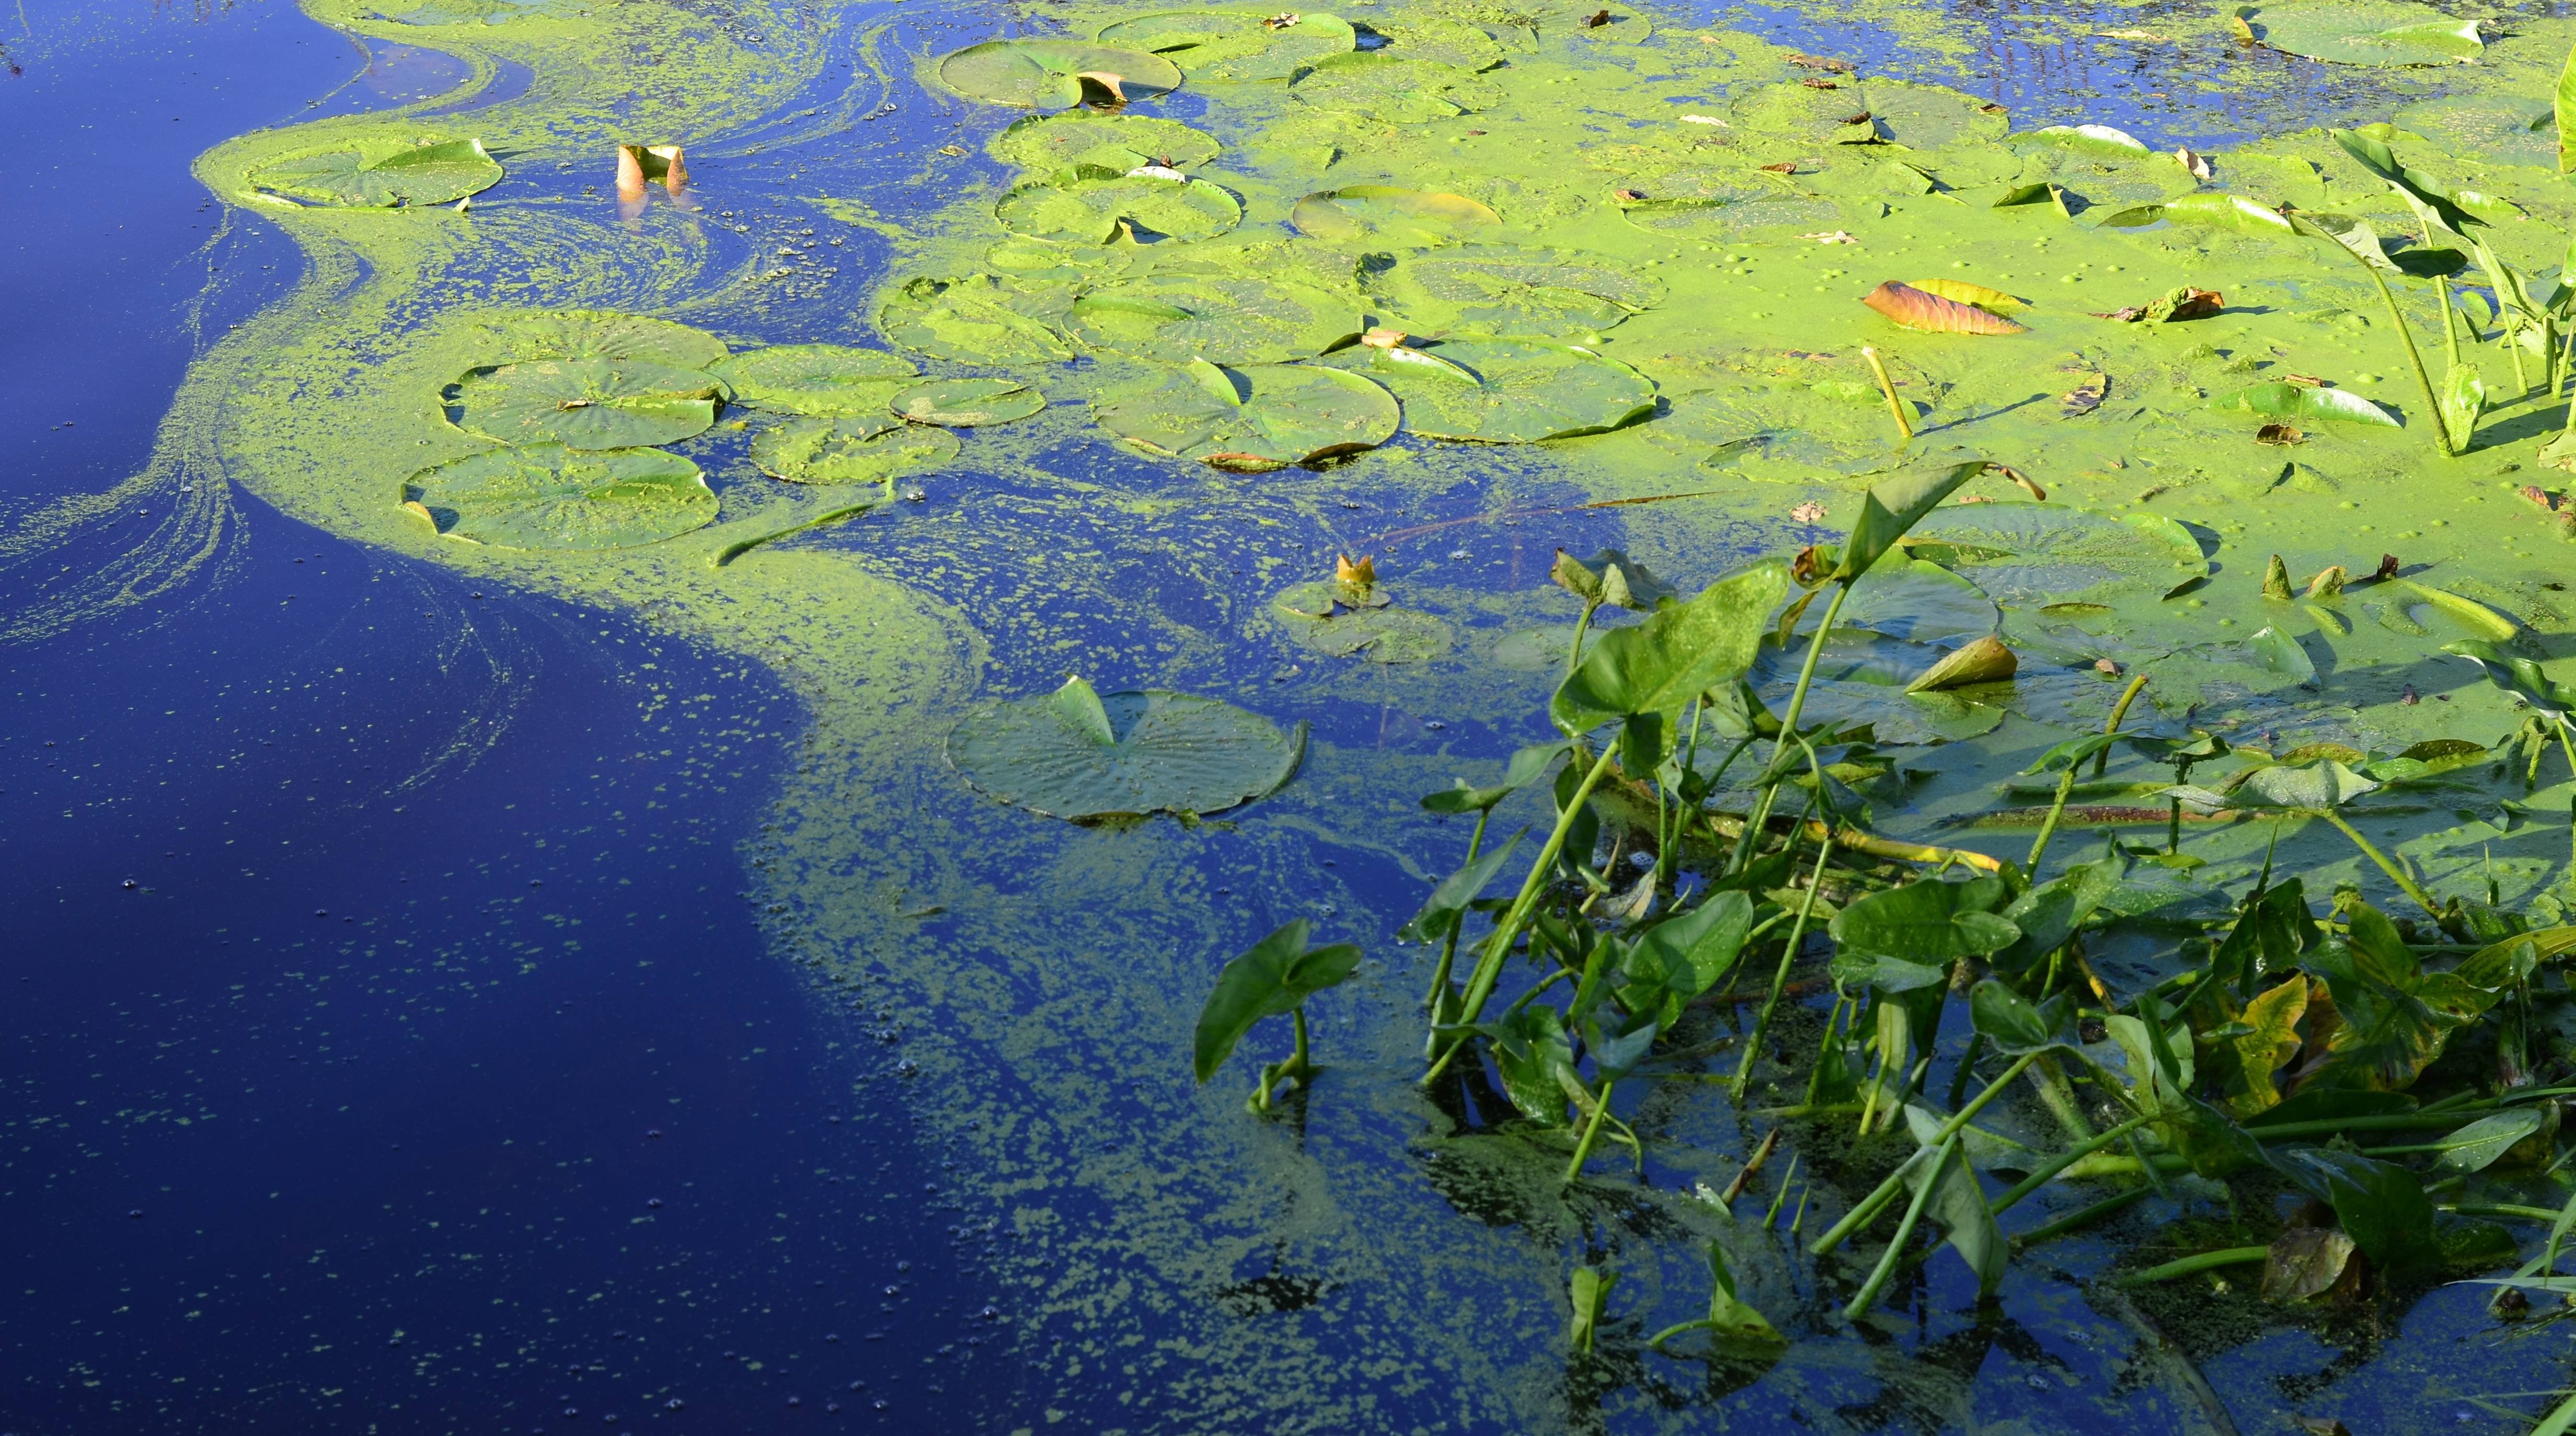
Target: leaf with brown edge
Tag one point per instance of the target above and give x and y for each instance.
(1101, 87)
(2085, 397)
(1993, 301)
(1913, 308)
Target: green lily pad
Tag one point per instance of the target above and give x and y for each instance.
(483, 12)
(1804, 114)
(545, 496)
(1101, 140)
(2031, 554)
(1531, 23)
(1097, 208)
(1505, 391)
(1447, 42)
(850, 451)
(1385, 214)
(1896, 716)
(375, 178)
(1394, 90)
(1930, 117)
(975, 319)
(1236, 319)
(968, 403)
(586, 403)
(2306, 404)
(523, 334)
(1508, 289)
(2101, 142)
(1042, 74)
(826, 379)
(1255, 417)
(1079, 754)
(1379, 632)
(1912, 600)
(1228, 45)
(2365, 32)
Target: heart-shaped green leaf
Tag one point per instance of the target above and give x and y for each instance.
(585, 403)
(545, 496)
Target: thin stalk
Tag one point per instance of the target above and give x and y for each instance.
(2423, 380)
(1886, 386)
(1668, 844)
(1780, 975)
(2048, 1170)
(1788, 1174)
(1789, 726)
(1574, 655)
(1798, 1219)
(2119, 715)
(2393, 1122)
(2503, 1209)
(2232, 1256)
(1725, 826)
(1871, 1205)
(1867, 1296)
(2080, 1217)
(1433, 1000)
(2450, 322)
(2066, 780)
(1591, 1132)
(2395, 873)
(1967, 1069)
(1816, 1069)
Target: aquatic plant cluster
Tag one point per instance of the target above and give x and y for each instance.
(1982, 486)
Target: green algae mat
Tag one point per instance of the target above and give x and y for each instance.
(2028, 890)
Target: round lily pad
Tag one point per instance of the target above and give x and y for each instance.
(375, 178)
(1385, 214)
(1446, 42)
(1224, 319)
(1915, 601)
(2366, 32)
(1508, 289)
(1932, 117)
(1254, 418)
(1225, 45)
(2031, 554)
(1395, 90)
(586, 403)
(968, 403)
(849, 451)
(1804, 114)
(522, 334)
(1046, 74)
(1100, 208)
(1505, 391)
(1102, 140)
(1379, 632)
(545, 496)
(827, 379)
(976, 319)
(1078, 754)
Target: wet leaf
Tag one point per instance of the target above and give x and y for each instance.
(2245, 1064)
(1447, 905)
(1664, 664)
(1731, 1321)
(2364, 32)
(1536, 1060)
(2380, 1205)
(1693, 951)
(1959, 1205)
(1960, 291)
(1076, 139)
(585, 403)
(1098, 208)
(1928, 922)
(1269, 979)
(1915, 601)
(849, 451)
(1044, 74)
(1217, 46)
(1589, 1290)
(1803, 115)
(1505, 391)
(2209, 211)
(2480, 621)
(1915, 309)
(2305, 1262)
(2050, 553)
(1223, 319)
(2282, 653)
(832, 380)
(2014, 1024)
(1508, 289)
(1385, 214)
(977, 319)
(2477, 1146)
(2464, 402)
(1392, 89)
(2304, 787)
(544, 496)
(1253, 417)
(2395, 1016)
(1078, 754)
(2300, 403)
(1378, 633)
(967, 403)
(381, 178)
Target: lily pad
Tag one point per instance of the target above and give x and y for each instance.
(1254, 418)
(1224, 319)
(1505, 391)
(1385, 214)
(2306, 404)
(2364, 32)
(1912, 600)
(1508, 289)
(2031, 554)
(1080, 754)
(2101, 142)
(483, 12)
(377, 179)
(850, 451)
(1097, 208)
(1228, 45)
(586, 403)
(826, 379)
(1394, 90)
(545, 496)
(976, 319)
(596, 334)
(968, 403)
(1447, 41)
(1046, 74)
(1930, 117)
(1111, 141)
(1805, 114)
(1379, 632)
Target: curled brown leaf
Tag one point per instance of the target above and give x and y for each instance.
(1912, 308)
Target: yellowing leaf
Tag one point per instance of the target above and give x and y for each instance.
(2248, 1061)
(1916, 309)
(1993, 301)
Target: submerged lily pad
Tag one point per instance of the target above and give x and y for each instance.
(1255, 417)
(1379, 631)
(360, 179)
(1078, 754)
(586, 403)
(1913, 600)
(826, 379)
(850, 451)
(1508, 289)
(968, 403)
(545, 496)
(1805, 114)
(1448, 42)
(1385, 214)
(1392, 89)
(2031, 554)
(1046, 74)
(596, 334)
(1505, 391)
(1224, 45)
(1096, 209)
(976, 319)
(1111, 141)
(2364, 32)
(1236, 319)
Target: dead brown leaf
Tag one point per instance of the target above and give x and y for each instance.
(2281, 434)
(2193, 165)
(1818, 62)
(1914, 309)
(1815, 84)
(1809, 512)
(2085, 397)
(1785, 167)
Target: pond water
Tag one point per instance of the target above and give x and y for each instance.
(524, 986)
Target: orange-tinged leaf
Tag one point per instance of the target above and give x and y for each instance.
(1360, 572)
(1915, 309)
(1993, 301)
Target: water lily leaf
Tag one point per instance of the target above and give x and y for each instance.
(2282, 653)
(2098, 141)
(1450, 42)
(1074, 139)
(827, 379)
(1270, 978)
(1047, 74)
(1663, 665)
(1897, 717)
(967, 403)
(1224, 319)
(2481, 621)
(977, 319)
(1960, 291)
(1230, 45)
(380, 179)
(1805, 114)
(1927, 921)
(2518, 676)
(1254, 417)
(2210, 211)
(2301, 403)
(1076, 753)
(2476, 1147)
(595, 334)
(1379, 634)
(545, 496)
(1385, 214)
(1098, 208)
(1985, 660)
(585, 403)
(1505, 391)
(849, 451)
(1913, 600)
(1392, 89)
(1934, 117)
(1915, 309)
(2305, 787)
(2364, 32)
(1507, 289)
(2048, 553)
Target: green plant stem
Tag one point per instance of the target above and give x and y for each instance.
(1668, 841)
(2081, 1217)
(1771, 1218)
(2232, 1256)
(1888, 1260)
(1435, 999)
(1870, 1206)
(1789, 728)
(2119, 715)
(1967, 1069)
(2503, 1209)
(2047, 1171)
(2066, 780)
(2423, 380)
(1574, 655)
(1895, 406)
(1780, 975)
(2560, 1420)
(2450, 322)
(1591, 1132)
(2395, 873)
(2392, 1122)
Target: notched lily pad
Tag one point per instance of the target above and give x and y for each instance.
(1098, 207)
(585, 403)
(1101, 140)
(1508, 289)
(523, 334)
(1505, 391)
(1080, 754)
(976, 319)
(850, 451)
(1386, 214)
(2033, 554)
(968, 403)
(1395, 90)
(1320, 617)
(834, 380)
(545, 496)
(1224, 319)
(376, 177)
(1055, 74)
(1229, 45)
(1254, 418)
(2362, 32)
